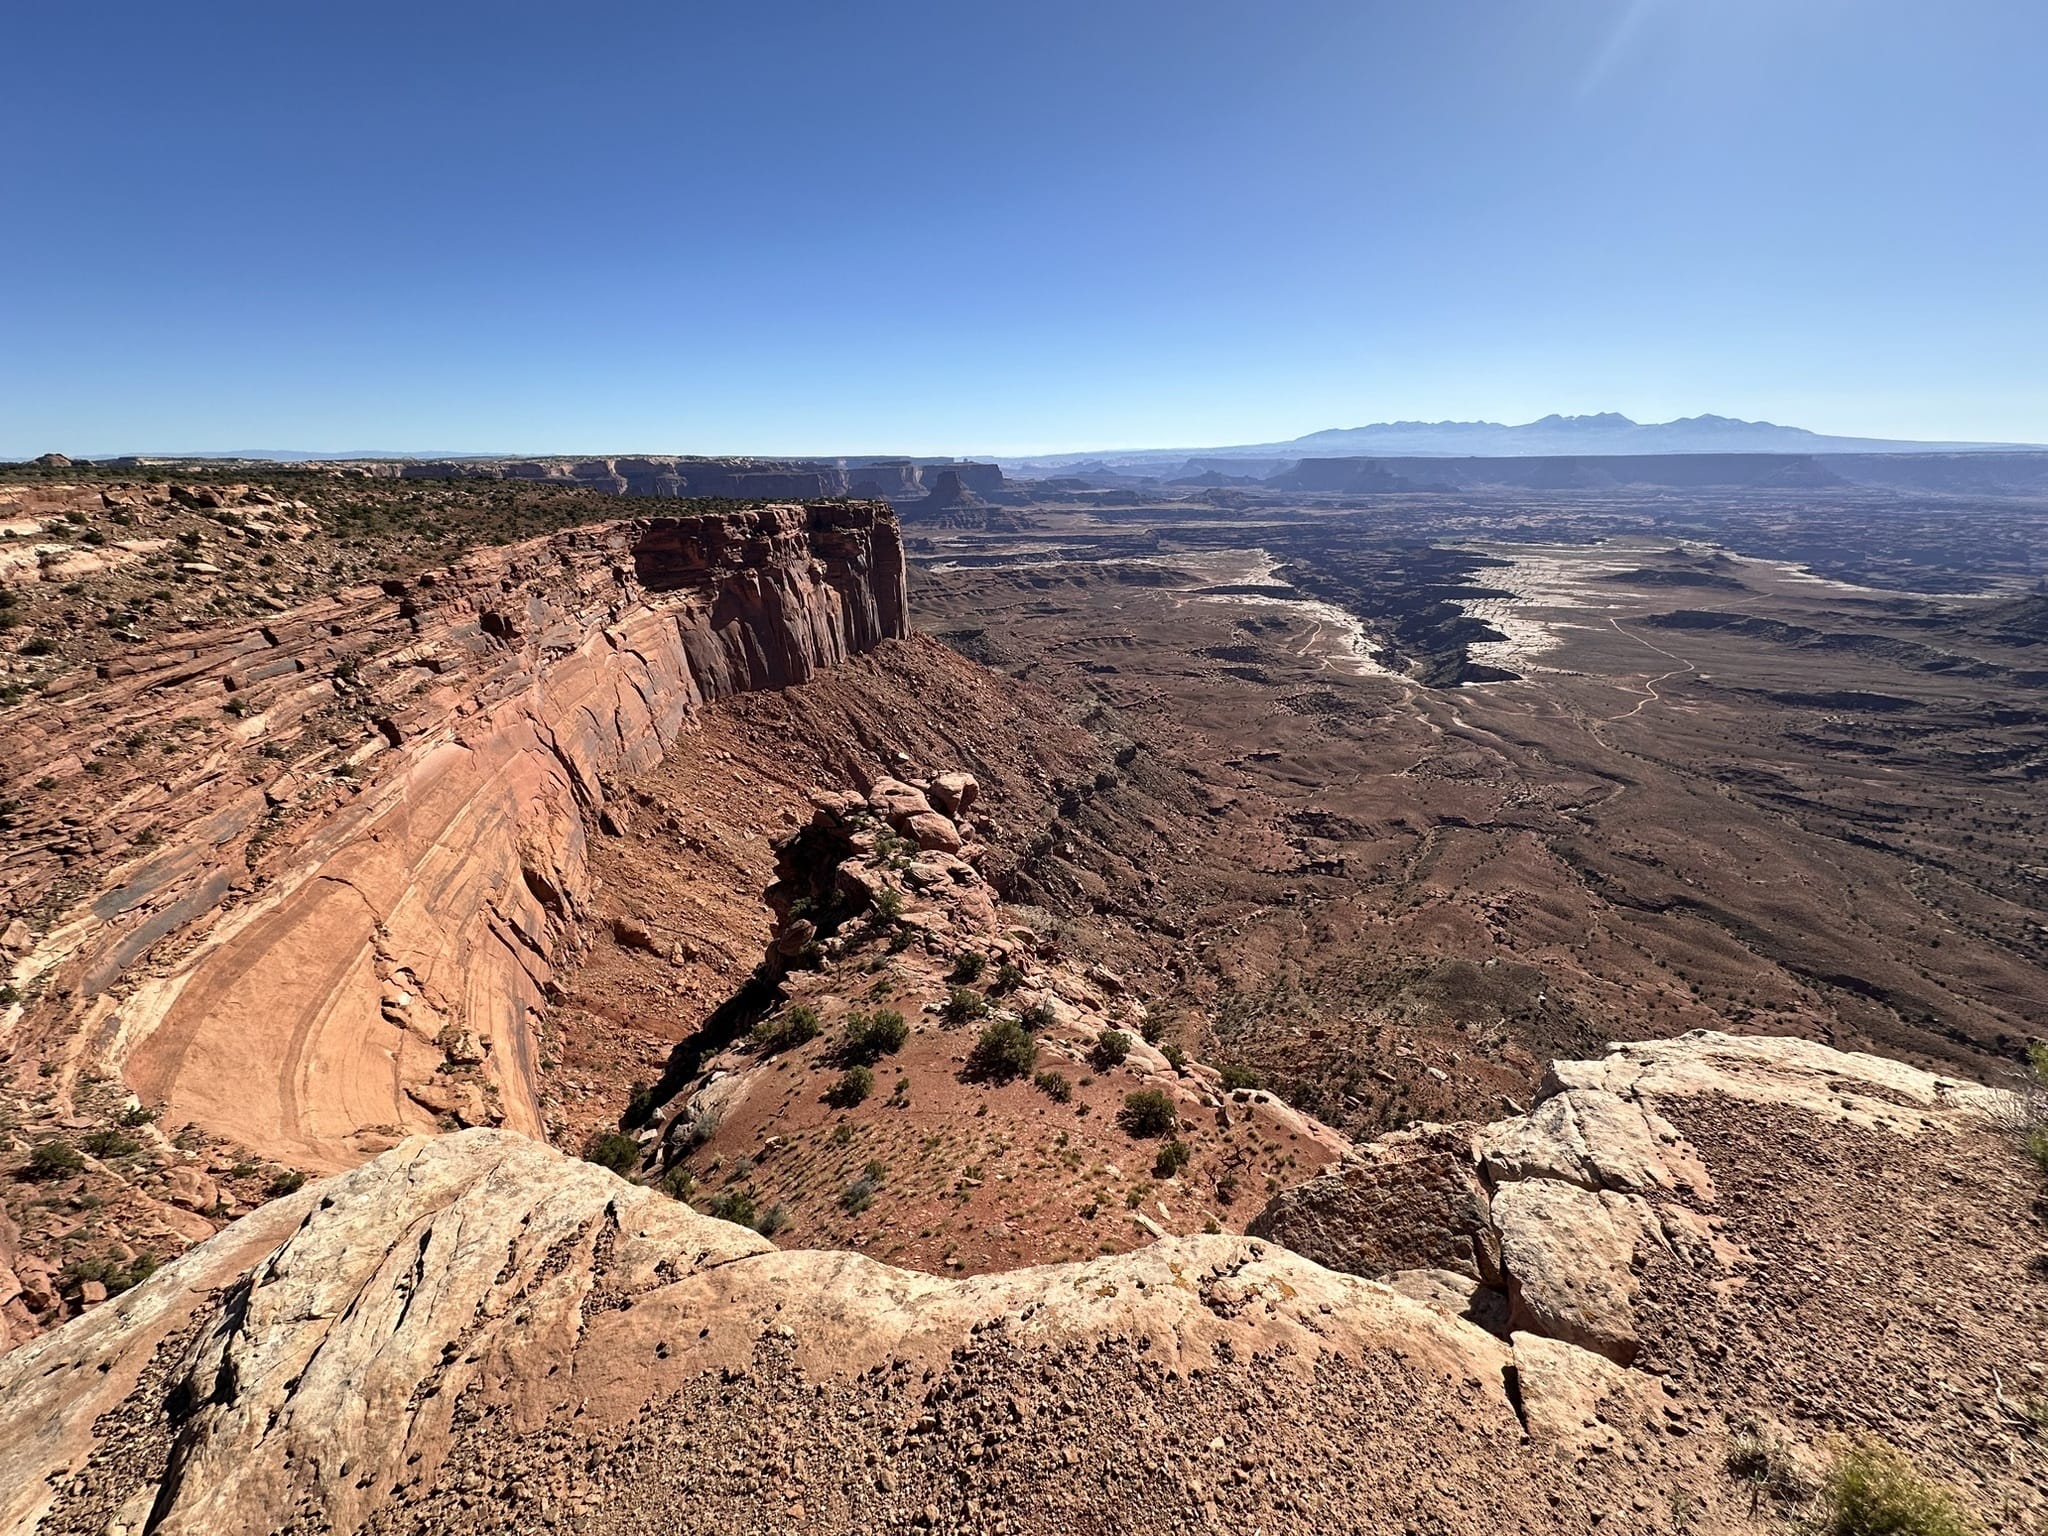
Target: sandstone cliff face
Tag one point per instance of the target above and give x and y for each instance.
(896, 480)
(473, 1333)
(334, 919)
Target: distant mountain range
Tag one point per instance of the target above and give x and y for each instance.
(1606, 433)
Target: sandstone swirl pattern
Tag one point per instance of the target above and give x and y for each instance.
(381, 975)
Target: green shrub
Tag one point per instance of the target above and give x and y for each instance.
(1176, 1058)
(1009, 977)
(137, 1114)
(772, 1220)
(1054, 1086)
(678, 1184)
(870, 1036)
(1872, 1490)
(107, 1143)
(782, 1031)
(117, 1275)
(614, 1150)
(889, 904)
(1172, 1157)
(860, 1194)
(1148, 1112)
(639, 1108)
(1005, 1050)
(53, 1160)
(968, 966)
(1039, 1016)
(963, 1005)
(854, 1085)
(289, 1181)
(1236, 1077)
(1153, 1029)
(1111, 1047)
(733, 1205)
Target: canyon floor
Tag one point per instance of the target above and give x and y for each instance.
(1203, 913)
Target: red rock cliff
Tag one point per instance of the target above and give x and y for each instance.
(332, 921)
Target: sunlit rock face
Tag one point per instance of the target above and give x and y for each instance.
(367, 865)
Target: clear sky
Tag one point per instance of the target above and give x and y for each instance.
(861, 225)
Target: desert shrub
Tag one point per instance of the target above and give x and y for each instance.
(963, 1005)
(772, 1220)
(782, 1031)
(860, 1194)
(614, 1150)
(1111, 1047)
(289, 1181)
(854, 1085)
(1759, 1456)
(53, 1159)
(108, 1143)
(1236, 1076)
(1873, 1490)
(1005, 1050)
(679, 1184)
(137, 1114)
(1009, 977)
(1148, 1112)
(114, 1273)
(1172, 1157)
(639, 1108)
(1153, 1029)
(1176, 1058)
(968, 966)
(733, 1205)
(1054, 1086)
(1039, 1016)
(888, 904)
(870, 1036)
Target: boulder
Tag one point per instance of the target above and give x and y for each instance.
(955, 793)
(191, 1188)
(897, 802)
(1410, 1200)
(933, 832)
(1596, 1140)
(1569, 1254)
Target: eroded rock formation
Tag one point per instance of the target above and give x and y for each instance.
(332, 921)
(474, 1333)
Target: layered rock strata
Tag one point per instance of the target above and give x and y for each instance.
(334, 919)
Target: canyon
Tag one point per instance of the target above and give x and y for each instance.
(523, 1017)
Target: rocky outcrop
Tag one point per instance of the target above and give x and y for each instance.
(896, 480)
(1561, 1208)
(334, 920)
(473, 1333)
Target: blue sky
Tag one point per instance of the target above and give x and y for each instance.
(783, 227)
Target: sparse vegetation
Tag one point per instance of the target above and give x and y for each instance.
(614, 1150)
(968, 966)
(54, 1160)
(1004, 1051)
(733, 1205)
(852, 1088)
(1038, 1017)
(1054, 1085)
(1873, 1490)
(289, 1181)
(1112, 1047)
(964, 1005)
(871, 1036)
(1148, 1113)
(1173, 1157)
(1238, 1077)
(106, 1144)
(792, 1027)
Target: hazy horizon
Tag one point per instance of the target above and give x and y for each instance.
(922, 229)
